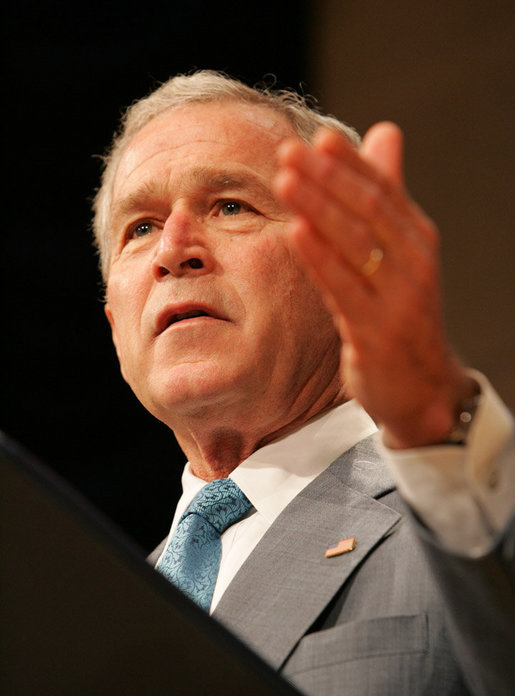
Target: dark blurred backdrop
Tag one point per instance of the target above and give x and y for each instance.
(69, 69)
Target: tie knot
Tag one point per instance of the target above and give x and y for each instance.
(221, 503)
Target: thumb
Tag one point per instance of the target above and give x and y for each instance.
(382, 147)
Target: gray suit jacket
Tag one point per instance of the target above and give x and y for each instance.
(368, 622)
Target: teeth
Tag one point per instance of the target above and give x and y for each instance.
(188, 315)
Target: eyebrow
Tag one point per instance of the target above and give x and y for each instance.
(215, 180)
(138, 198)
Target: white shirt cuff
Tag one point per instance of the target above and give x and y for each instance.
(464, 494)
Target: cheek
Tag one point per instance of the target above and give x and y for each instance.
(275, 285)
(269, 265)
(126, 301)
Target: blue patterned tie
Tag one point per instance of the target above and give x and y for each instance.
(192, 557)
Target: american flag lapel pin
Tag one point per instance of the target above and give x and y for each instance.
(343, 546)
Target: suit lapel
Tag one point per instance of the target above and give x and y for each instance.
(286, 582)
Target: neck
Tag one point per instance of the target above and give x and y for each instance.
(215, 444)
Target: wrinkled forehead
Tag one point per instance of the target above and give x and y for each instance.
(238, 132)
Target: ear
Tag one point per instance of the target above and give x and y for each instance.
(383, 148)
(110, 319)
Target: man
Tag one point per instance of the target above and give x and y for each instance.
(274, 294)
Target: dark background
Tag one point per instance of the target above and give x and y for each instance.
(70, 68)
(444, 71)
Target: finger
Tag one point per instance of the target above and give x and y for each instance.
(347, 297)
(366, 302)
(336, 145)
(379, 161)
(351, 184)
(381, 152)
(381, 157)
(341, 173)
(382, 147)
(350, 237)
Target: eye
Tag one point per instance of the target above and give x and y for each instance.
(231, 208)
(140, 229)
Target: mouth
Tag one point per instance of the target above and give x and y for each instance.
(178, 314)
(182, 316)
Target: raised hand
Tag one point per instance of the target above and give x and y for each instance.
(375, 257)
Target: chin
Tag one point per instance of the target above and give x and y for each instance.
(190, 389)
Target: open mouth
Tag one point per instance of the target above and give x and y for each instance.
(186, 315)
(177, 314)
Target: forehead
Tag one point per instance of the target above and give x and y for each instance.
(210, 134)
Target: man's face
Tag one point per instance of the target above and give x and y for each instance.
(207, 304)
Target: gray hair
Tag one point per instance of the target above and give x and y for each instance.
(199, 87)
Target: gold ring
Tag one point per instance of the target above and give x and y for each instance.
(374, 261)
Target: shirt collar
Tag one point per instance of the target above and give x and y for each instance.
(274, 474)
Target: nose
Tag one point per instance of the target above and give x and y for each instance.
(182, 248)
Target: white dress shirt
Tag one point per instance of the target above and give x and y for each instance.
(464, 494)
(460, 493)
(273, 475)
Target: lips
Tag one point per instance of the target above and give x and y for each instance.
(176, 314)
(187, 315)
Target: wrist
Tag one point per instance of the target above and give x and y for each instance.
(444, 421)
